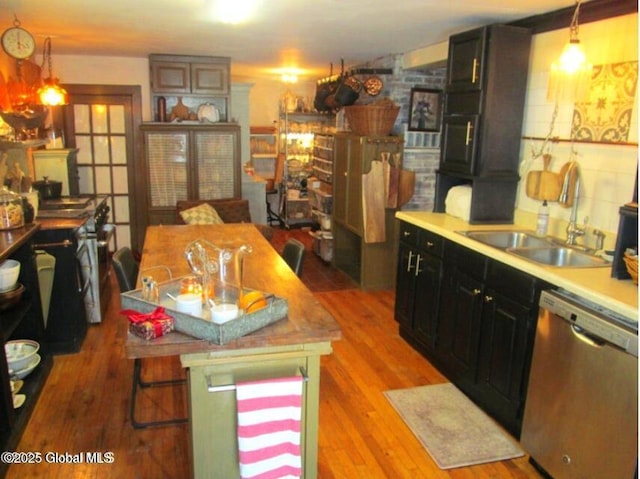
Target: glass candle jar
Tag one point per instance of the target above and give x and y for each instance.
(11, 212)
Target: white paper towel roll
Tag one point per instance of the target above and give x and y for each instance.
(458, 202)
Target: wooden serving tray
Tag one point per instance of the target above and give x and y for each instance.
(200, 326)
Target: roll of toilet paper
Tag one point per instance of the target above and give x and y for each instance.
(458, 202)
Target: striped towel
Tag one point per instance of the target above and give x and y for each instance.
(269, 415)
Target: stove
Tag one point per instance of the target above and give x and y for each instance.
(91, 239)
(66, 203)
(86, 206)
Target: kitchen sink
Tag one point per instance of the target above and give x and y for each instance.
(560, 256)
(509, 239)
(546, 251)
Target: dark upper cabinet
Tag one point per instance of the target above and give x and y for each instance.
(198, 77)
(482, 121)
(459, 139)
(484, 104)
(190, 80)
(466, 61)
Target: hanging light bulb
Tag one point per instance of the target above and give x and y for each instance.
(51, 93)
(570, 76)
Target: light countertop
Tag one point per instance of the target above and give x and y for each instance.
(595, 284)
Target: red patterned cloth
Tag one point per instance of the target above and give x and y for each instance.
(149, 325)
(269, 422)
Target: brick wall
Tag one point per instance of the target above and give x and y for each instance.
(421, 150)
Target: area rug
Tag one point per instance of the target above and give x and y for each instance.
(453, 430)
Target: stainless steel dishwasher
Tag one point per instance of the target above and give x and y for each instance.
(581, 412)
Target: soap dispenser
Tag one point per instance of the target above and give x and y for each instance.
(543, 219)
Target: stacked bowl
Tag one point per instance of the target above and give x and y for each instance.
(22, 357)
(10, 290)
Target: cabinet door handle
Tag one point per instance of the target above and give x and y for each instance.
(418, 259)
(468, 137)
(406, 234)
(488, 299)
(409, 259)
(474, 73)
(476, 291)
(429, 244)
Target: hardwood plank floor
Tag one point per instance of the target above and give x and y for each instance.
(85, 403)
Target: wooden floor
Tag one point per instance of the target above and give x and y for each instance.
(84, 405)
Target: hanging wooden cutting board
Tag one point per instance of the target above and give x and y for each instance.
(394, 181)
(567, 169)
(549, 189)
(406, 186)
(543, 184)
(373, 204)
(386, 172)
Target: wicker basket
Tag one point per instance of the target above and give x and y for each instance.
(632, 266)
(371, 120)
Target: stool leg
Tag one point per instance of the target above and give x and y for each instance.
(137, 382)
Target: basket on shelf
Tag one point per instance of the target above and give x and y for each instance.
(632, 266)
(372, 120)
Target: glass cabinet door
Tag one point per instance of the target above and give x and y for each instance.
(167, 154)
(216, 165)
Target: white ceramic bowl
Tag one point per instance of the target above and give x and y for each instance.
(9, 272)
(23, 373)
(20, 353)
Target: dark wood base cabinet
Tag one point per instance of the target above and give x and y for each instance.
(474, 318)
(66, 325)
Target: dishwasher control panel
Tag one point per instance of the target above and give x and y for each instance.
(591, 319)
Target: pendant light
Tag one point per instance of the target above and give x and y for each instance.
(571, 74)
(51, 93)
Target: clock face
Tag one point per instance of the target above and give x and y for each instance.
(18, 43)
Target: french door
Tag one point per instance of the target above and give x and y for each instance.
(102, 122)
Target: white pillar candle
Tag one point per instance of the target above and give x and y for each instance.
(223, 312)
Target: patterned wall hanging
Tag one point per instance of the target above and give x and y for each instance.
(606, 116)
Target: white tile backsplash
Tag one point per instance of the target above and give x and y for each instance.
(608, 171)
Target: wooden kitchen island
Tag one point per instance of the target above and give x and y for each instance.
(280, 349)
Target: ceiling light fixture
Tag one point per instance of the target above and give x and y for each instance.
(51, 93)
(236, 11)
(570, 75)
(289, 74)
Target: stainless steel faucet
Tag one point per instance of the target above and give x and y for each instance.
(573, 230)
(599, 239)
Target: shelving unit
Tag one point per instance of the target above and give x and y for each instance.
(264, 150)
(370, 264)
(22, 321)
(320, 194)
(297, 131)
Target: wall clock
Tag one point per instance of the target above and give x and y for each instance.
(18, 42)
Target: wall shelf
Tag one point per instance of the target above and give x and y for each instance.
(569, 140)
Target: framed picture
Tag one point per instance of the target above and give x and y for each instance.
(424, 109)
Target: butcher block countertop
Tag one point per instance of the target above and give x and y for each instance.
(11, 240)
(60, 223)
(307, 321)
(595, 284)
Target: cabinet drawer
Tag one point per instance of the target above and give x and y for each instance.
(430, 242)
(409, 234)
(520, 286)
(467, 261)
